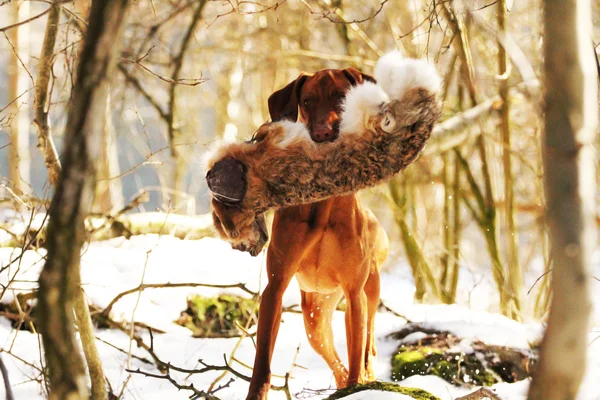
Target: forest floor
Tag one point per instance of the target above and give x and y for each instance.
(114, 266)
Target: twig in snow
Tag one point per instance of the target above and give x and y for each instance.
(9, 393)
(138, 340)
(122, 393)
(142, 359)
(145, 286)
(198, 394)
(137, 302)
(388, 309)
(206, 368)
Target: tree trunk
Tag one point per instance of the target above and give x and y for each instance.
(42, 96)
(571, 121)
(109, 192)
(88, 342)
(60, 278)
(421, 270)
(515, 279)
(176, 138)
(18, 83)
(509, 304)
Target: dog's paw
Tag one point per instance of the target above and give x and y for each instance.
(233, 233)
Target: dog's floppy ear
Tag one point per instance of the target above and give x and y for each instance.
(283, 104)
(355, 76)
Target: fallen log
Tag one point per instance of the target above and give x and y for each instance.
(108, 227)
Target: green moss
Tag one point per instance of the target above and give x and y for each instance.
(412, 361)
(456, 368)
(433, 354)
(217, 316)
(417, 394)
(445, 370)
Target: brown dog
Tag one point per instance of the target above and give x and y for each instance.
(379, 137)
(334, 248)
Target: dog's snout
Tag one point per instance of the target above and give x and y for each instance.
(324, 134)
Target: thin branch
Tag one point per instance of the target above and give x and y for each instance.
(138, 339)
(484, 6)
(540, 277)
(42, 95)
(9, 392)
(206, 368)
(7, 28)
(198, 394)
(177, 81)
(154, 29)
(392, 311)
(145, 286)
(138, 85)
(142, 359)
(16, 357)
(342, 19)
(354, 26)
(178, 62)
(16, 53)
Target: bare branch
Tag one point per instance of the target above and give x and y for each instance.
(138, 85)
(145, 286)
(6, 28)
(342, 19)
(173, 81)
(7, 387)
(42, 95)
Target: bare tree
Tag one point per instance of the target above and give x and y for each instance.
(175, 135)
(571, 121)
(109, 192)
(18, 82)
(60, 278)
(515, 279)
(486, 215)
(42, 95)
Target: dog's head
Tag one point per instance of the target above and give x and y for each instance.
(316, 100)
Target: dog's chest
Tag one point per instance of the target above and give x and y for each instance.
(311, 278)
(327, 266)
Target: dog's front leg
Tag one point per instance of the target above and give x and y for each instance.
(269, 317)
(283, 257)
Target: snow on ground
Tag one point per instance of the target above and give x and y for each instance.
(111, 267)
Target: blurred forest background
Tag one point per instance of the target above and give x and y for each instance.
(193, 71)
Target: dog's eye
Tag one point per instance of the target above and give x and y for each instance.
(307, 103)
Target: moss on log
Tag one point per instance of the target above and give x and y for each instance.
(418, 394)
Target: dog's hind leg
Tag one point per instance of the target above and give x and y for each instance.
(356, 333)
(317, 310)
(372, 289)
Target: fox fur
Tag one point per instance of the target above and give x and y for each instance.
(383, 129)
